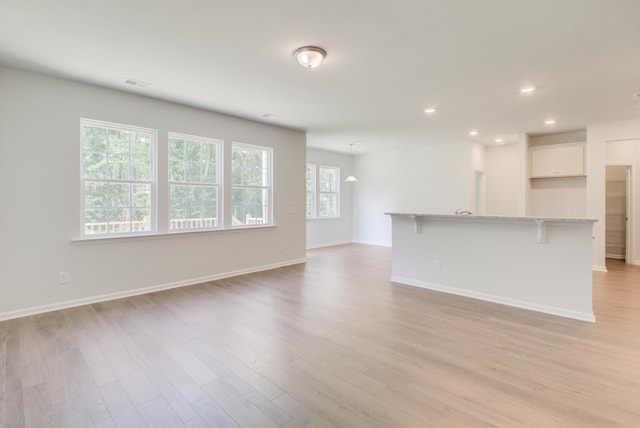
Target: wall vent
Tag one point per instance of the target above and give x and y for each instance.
(138, 83)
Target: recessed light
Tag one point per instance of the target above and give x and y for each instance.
(430, 110)
(473, 132)
(527, 89)
(499, 140)
(549, 121)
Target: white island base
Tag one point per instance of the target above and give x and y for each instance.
(540, 264)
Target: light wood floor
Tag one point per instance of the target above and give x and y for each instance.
(329, 343)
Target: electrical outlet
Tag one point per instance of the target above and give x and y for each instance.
(437, 265)
(63, 277)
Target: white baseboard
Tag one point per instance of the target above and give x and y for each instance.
(138, 291)
(582, 316)
(599, 268)
(634, 262)
(328, 244)
(377, 244)
(615, 256)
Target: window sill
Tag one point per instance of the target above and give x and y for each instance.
(174, 234)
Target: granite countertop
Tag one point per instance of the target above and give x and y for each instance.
(496, 218)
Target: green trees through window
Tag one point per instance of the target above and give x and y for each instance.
(323, 191)
(117, 177)
(311, 190)
(193, 182)
(251, 184)
(119, 182)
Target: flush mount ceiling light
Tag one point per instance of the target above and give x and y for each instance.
(351, 178)
(550, 121)
(473, 133)
(309, 56)
(430, 110)
(527, 89)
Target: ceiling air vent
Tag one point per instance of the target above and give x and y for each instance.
(138, 83)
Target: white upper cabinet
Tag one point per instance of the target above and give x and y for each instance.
(558, 160)
(543, 162)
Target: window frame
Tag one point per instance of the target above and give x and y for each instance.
(313, 191)
(152, 181)
(317, 193)
(269, 187)
(219, 185)
(134, 156)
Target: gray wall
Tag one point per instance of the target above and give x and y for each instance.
(40, 209)
(333, 231)
(435, 178)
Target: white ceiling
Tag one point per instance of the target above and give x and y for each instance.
(387, 61)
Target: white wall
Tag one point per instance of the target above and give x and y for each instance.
(557, 138)
(40, 210)
(477, 156)
(498, 261)
(557, 197)
(504, 187)
(627, 152)
(333, 231)
(435, 179)
(598, 136)
(478, 202)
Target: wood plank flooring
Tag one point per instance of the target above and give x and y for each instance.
(331, 343)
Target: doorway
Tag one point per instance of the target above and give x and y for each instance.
(617, 242)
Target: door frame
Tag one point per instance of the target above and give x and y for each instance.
(630, 217)
(629, 224)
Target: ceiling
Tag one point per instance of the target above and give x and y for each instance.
(387, 61)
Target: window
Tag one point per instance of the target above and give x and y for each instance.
(250, 184)
(118, 179)
(119, 187)
(328, 191)
(311, 190)
(323, 191)
(194, 182)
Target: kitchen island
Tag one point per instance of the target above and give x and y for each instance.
(535, 263)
